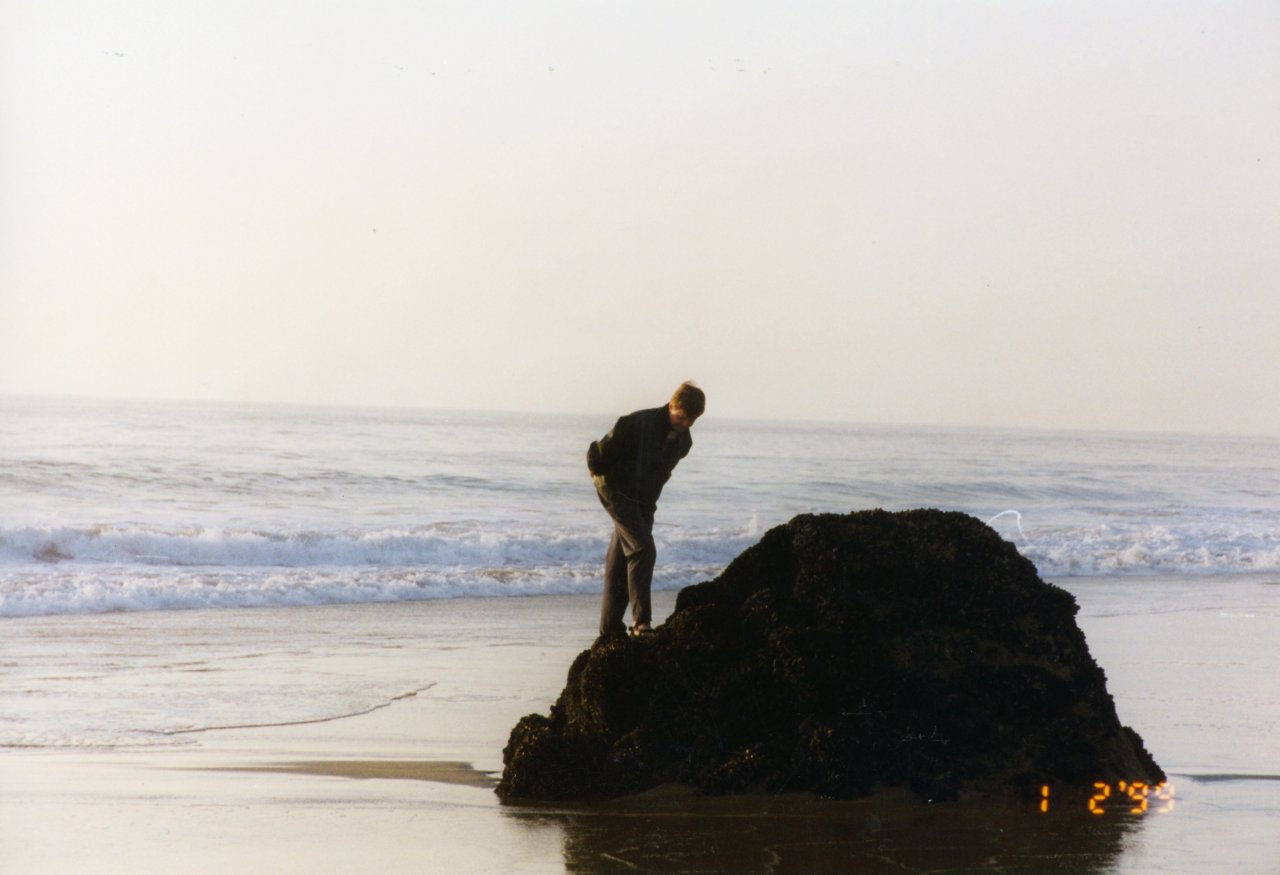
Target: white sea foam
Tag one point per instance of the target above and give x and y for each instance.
(1152, 550)
(145, 545)
(101, 591)
(106, 569)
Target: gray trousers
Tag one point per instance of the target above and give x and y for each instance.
(628, 565)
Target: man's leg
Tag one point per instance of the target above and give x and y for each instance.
(633, 539)
(640, 575)
(614, 605)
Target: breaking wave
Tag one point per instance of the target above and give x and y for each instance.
(58, 570)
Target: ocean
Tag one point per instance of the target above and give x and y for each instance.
(108, 507)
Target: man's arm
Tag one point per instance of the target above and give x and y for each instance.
(603, 454)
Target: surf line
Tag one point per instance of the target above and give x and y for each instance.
(369, 710)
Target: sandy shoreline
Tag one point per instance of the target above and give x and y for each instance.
(408, 787)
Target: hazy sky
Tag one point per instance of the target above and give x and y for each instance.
(991, 213)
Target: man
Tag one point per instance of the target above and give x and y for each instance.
(629, 467)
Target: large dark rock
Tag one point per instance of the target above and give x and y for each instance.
(841, 655)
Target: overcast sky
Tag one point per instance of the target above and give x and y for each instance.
(985, 213)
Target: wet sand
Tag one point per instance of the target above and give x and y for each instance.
(408, 787)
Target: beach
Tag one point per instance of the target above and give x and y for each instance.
(271, 639)
(406, 785)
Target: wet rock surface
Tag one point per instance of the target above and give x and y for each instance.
(840, 655)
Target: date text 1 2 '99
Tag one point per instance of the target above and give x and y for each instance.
(1134, 797)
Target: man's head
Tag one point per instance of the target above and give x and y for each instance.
(686, 405)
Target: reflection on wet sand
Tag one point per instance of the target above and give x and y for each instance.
(666, 832)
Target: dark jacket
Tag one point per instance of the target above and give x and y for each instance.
(635, 459)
